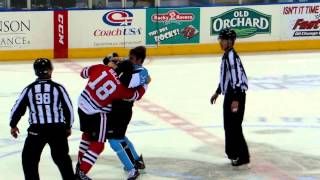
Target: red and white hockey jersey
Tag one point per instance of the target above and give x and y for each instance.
(103, 87)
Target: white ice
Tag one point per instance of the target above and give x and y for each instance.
(178, 131)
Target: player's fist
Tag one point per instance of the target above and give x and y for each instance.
(14, 132)
(214, 98)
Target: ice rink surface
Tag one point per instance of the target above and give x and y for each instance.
(177, 130)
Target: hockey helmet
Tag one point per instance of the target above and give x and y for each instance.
(227, 34)
(42, 66)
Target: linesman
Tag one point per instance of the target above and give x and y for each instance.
(50, 118)
(233, 85)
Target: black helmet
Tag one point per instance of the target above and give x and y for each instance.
(228, 34)
(41, 66)
(109, 57)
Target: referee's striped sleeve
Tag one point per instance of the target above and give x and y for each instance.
(235, 72)
(19, 108)
(68, 108)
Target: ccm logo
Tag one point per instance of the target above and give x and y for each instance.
(61, 29)
(118, 18)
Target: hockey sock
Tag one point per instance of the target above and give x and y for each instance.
(84, 145)
(131, 148)
(123, 152)
(90, 157)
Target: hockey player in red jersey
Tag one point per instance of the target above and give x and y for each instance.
(103, 87)
(94, 103)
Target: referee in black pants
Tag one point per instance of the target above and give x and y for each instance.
(233, 84)
(50, 118)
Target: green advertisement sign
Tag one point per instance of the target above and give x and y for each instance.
(173, 26)
(245, 21)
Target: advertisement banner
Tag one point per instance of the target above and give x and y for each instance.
(26, 30)
(60, 34)
(106, 28)
(246, 22)
(252, 23)
(301, 21)
(173, 26)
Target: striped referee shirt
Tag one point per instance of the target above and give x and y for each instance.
(233, 78)
(48, 103)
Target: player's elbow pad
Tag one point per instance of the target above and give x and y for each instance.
(85, 73)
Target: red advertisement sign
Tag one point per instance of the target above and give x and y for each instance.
(309, 9)
(60, 34)
(303, 20)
